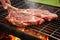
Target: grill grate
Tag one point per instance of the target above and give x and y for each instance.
(52, 28)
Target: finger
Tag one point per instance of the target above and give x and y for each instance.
(4, 4)
(8, 1)
(12, 7)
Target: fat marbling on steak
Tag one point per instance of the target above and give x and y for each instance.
(45, 14)
(20, 18)
(24, 17)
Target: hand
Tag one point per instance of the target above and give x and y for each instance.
(4, 3)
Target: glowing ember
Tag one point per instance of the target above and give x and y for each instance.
(4, 36)
(29, 31)
(14, 38)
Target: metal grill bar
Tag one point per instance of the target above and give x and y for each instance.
(57, 11)
(50, 27)
(46, 34)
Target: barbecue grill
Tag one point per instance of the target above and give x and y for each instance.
(51, 29)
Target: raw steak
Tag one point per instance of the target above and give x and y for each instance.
(24, 17)
(19, 18)
(45, 14)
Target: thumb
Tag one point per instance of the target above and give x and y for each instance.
(8, 1)
(4, 4)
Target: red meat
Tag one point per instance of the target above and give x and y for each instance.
(19, 18)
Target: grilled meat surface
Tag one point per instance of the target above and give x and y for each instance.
(19, 18)
(41, 13)
(24, 17)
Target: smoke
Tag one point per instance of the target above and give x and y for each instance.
(30, 4)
